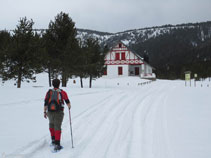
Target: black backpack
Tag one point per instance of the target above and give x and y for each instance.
(55, 100)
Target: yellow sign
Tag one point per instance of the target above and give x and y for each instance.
(187, 77)
(195, 75)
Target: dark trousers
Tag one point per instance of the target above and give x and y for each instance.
(55, 123)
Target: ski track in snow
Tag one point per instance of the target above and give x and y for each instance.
(129, 125)
(18, 103)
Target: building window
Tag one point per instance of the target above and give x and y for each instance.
(117, 56)
(119, 70)
(120, 45)
(122, 56)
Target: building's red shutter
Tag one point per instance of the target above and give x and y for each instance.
(117, 56)
(123, 56)
(119, 70)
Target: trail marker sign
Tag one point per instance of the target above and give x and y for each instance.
(187, 77)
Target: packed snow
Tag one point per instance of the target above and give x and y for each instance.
(118, 118)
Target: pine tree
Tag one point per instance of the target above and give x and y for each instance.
(5, 40)
(61, 46)
(94, 61)
(50, 56)
(23, 55)
(80, 69)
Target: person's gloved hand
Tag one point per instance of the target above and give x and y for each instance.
(45, 115)
(69, 106)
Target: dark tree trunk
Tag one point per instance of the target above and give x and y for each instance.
(64, 80)
(81, 79)
(49, 76)
(19, 77)
(90, 82)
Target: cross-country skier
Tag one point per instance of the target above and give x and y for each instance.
(54, 110)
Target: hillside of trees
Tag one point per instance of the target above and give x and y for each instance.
(178, 51)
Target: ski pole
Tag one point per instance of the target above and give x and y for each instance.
(71, 128)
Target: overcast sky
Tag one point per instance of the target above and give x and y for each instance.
(106, 15)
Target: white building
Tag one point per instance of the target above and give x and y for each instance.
(120, 61)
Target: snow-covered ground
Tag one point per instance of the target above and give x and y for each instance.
(117, 118)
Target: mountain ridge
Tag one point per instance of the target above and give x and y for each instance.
(132, 36)
(150, 27)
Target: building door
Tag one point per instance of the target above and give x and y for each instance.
(119, 70)
(136, 71)
(105, 72)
